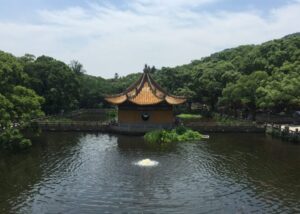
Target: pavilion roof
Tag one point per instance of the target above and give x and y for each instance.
(145, 91)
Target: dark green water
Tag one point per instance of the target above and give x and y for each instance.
(95, 173)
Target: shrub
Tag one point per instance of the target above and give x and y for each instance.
(111, 114)
(189, 116)
(12, 139)
(181, 130)
(179, 134)
(153, 137)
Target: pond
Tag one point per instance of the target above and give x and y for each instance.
(97, 173)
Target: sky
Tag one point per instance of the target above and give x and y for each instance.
(118, 36)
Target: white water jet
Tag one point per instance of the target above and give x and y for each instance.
(146, 163)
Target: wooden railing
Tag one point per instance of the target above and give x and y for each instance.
(75, 113)
(232, 124)
(284, 132)
(72, 125)
(235, 127)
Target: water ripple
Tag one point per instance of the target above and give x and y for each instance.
(89, 173)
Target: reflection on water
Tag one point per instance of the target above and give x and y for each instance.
(93, 173)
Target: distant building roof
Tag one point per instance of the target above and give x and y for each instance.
(145, 91)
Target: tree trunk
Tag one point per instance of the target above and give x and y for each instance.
(235, 111)
(212, 105)
(253, 112)
(189, 106)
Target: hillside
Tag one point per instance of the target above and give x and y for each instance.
(248, 77)
(261, 77)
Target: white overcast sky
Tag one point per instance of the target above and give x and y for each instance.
(119, 36)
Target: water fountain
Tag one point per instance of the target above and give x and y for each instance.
(146, 163)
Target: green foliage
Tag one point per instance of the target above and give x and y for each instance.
(229, 121)
(181, 130)
(111, 114)
(153, 136)
(18, 104)
(92, 91)
(179, 134)
(76, 67)
(248, 78)
(244, 91)
(189, 116)
(27, 104)
(55, 81)
(5, 116)
(12, 139)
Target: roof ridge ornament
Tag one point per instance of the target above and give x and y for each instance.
(146, 69)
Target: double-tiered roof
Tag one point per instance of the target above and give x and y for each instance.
(145, 91)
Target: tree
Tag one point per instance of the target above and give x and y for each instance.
(77, 67)
(244, 91)
(56, 82)
(27, 58)
(116, 77)
(188, 93)
(231, 98)
(18, 104)
(280, 93)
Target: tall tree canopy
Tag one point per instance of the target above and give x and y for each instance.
(231, 79)
(56, 82)
(18, 104)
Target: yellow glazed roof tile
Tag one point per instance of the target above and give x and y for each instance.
(146, 96)
(116, 100)
(145, 92)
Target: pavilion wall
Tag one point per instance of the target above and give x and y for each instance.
(158, 114)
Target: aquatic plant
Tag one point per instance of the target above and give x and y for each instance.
(178, 134)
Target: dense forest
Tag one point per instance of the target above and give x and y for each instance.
(248, 79)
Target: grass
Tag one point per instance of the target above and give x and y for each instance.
(189, 116)
(179, 134)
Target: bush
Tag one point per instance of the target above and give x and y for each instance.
(181, 130)
(229, 121)
(153, 137)
(189, 116)
(12, 139)
(179, 134)
(111, 114)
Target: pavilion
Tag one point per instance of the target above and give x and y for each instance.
(145, 105)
